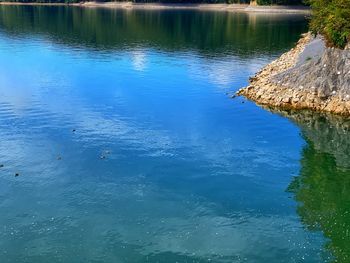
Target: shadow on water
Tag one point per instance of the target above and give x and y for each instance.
(108, 29)
(322, 190)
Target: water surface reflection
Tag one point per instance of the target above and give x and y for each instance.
(128, 148)
(322, 189)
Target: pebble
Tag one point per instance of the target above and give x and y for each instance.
(286, 100)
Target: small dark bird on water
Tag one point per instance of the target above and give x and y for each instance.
(73, 130)
(59, 158)
(16, 174)
(1, 165)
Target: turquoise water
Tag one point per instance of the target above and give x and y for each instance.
(119, 142)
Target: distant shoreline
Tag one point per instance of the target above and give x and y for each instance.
(160, 6)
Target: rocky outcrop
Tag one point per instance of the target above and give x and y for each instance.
(310, 76)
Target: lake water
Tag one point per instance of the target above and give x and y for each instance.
(119, 143)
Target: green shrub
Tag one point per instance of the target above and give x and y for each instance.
(331, 18)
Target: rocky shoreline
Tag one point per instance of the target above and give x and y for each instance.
(309, 76)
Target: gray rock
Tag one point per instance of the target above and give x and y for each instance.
(327, 73)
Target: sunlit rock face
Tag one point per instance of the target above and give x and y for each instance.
(322, 189)
(324, 71)
(309, 76)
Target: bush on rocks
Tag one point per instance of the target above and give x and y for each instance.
(331, 18)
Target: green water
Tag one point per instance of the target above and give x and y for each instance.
(119, 142)
(322, 188)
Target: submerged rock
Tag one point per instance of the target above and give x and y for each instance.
(309, 76)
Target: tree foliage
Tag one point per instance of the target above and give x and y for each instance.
(331, 18)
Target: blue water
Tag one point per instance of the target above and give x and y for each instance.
(138, 154)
